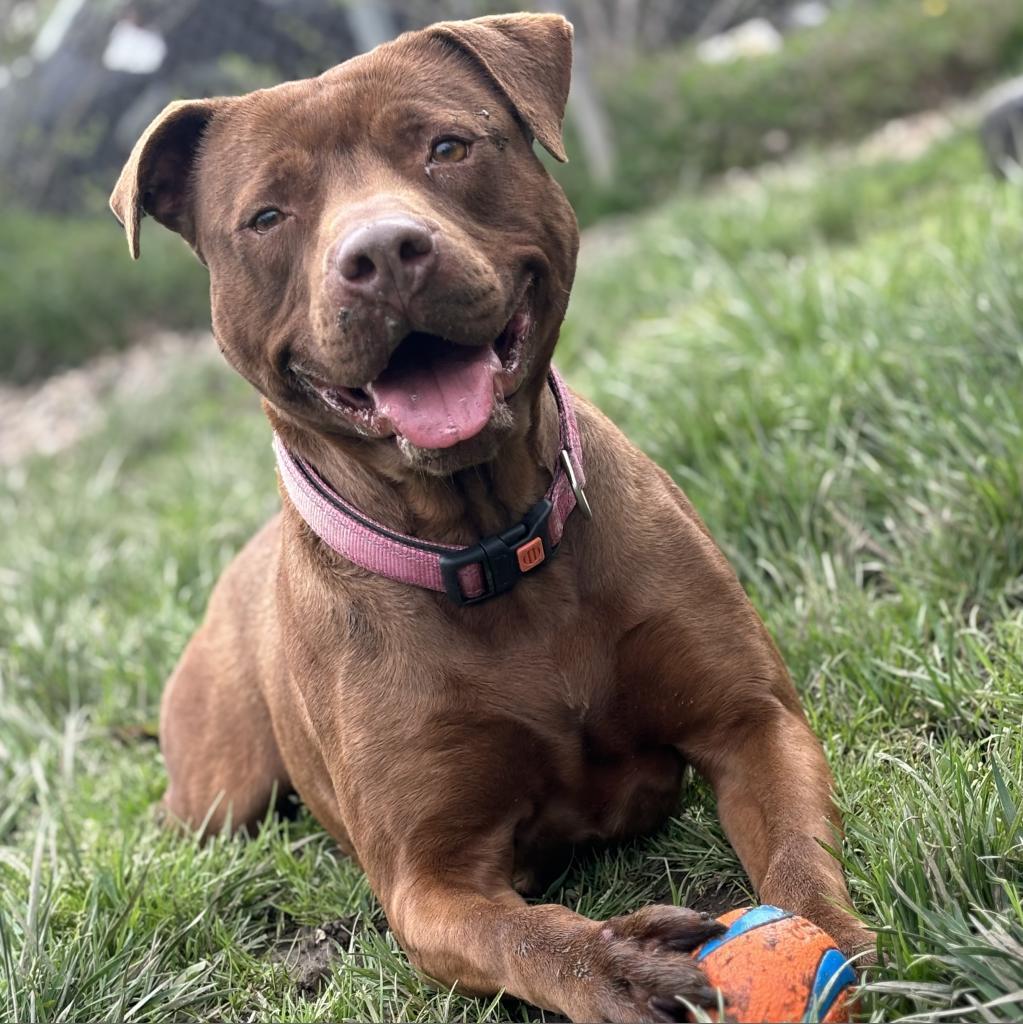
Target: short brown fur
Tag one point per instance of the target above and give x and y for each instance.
(457, 753)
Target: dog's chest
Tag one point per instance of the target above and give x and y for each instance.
(593, 791)
(594, 763)
(598, 770)
(534, 699)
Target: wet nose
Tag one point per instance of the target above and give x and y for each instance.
(388, 253)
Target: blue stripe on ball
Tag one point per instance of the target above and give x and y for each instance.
(751, 919)
(833, 975)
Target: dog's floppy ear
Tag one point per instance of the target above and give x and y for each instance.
(529, 57)
(156, 180)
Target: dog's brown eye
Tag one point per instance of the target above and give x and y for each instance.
(449, 151)
(265, 220)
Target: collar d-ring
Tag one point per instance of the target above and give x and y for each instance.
(580, 494)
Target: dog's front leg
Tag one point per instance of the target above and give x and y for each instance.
(773, 789)
(631, 968)
(714, 685)
(435, 829)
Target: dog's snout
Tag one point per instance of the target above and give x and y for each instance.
(390, 252)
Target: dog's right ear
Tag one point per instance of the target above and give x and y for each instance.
(157, 179)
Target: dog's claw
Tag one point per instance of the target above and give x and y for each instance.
(697, 937)
(674, 928)
(705, 996)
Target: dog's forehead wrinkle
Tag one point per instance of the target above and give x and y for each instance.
(254, 163)
(403, 119)
(295, 116)
(436, 78)
(291, 171)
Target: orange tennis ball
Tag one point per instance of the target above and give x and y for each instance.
(774, 966)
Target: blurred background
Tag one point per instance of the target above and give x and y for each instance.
(668, 95)
(800, 291)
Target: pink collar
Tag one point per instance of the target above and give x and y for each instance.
(468, 575)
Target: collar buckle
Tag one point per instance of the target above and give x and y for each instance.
(504, 558)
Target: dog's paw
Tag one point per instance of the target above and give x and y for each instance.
(856, 942)
(643, 967)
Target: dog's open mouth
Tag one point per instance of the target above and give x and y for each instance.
(434, 392)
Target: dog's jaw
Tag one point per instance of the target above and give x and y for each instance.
(434, 394)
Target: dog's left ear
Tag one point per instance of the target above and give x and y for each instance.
(529, 57)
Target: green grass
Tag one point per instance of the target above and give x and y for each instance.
(677, 121)
(68, 290)
(830, 365)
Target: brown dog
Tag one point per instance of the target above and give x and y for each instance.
(390, 265)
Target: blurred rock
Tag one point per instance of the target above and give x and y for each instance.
(139, 51)
(46, 418)
(754, 38)
(808, 15)
(98, 71)
(776, 142)
(906, 138)
(1001, 128)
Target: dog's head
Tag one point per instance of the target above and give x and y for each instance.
(389, 261)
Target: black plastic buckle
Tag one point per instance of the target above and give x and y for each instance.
(498, 556)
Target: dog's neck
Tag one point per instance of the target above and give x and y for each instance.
(456, 509)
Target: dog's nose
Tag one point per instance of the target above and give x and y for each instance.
(396, 252)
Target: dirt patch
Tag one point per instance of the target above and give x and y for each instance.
(46, 418)
(310, 951)
(715, 902)
(900, 140)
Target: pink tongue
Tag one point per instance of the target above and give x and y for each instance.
(436, 393)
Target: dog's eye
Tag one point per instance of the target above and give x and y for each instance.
(265, 220)
(449, 151)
